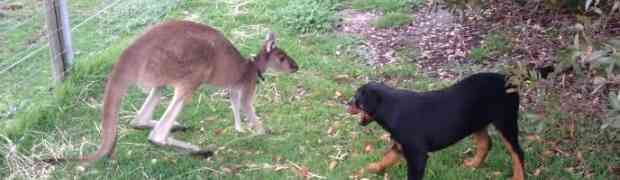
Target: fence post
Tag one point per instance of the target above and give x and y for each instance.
(59, 37)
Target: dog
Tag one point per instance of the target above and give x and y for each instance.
(423, 122)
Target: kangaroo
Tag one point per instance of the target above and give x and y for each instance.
(183, 55)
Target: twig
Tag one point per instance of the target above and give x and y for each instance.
(310, 174)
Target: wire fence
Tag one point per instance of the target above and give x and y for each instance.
(25, 68)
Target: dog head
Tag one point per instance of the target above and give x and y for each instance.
(366, 102)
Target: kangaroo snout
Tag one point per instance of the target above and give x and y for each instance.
(294, 67)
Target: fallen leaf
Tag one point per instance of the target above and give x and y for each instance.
(357, 174)
(332, 164)
(570, 169)
(386, 137)
(331, 131)
(280, 167)
(579, 156)
(533, 137)
(277, 159)
(341, 77)
(386, 176)
(548, 153)
(218, 131)
(537, 171)
(368, 148)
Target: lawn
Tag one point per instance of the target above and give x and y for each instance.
(312, 133)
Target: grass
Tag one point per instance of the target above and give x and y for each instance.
(386, 5)
(492, 45)
(307, 16)
(392, 20)
(304, 109)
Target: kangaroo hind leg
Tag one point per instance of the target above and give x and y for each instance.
(160, 135)
(144, 117)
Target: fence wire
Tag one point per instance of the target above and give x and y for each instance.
(25, 69)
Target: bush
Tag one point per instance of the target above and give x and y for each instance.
(308, 15)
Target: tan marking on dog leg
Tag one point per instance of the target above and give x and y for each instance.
(483, 144)
(390, 158)
(518, 168)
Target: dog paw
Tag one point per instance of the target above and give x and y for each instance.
(374, 168)
(471, 163)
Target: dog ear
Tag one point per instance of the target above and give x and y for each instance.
(371, 98)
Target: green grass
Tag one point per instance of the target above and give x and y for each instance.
(386, 5)
(307, 16)
(493, 45)
(392, 20)
(300, 108)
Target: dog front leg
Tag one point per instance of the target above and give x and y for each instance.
(416, 163)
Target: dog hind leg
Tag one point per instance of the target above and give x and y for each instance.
(483, 144)
(509, 132)
(390, 158)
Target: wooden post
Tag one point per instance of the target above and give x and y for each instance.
(59, 37)
(67, 45)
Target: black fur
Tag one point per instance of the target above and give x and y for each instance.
(424, 122)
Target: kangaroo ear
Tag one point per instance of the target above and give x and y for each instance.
(270, 42)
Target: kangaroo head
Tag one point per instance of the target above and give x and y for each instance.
(275, 57)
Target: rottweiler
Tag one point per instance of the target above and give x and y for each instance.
(423, 122)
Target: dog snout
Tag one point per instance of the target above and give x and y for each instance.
(352, 109)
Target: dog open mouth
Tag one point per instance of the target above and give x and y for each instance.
(364, 117)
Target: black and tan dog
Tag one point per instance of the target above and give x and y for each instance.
(423, 122)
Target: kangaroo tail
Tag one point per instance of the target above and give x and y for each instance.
(116, 88)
